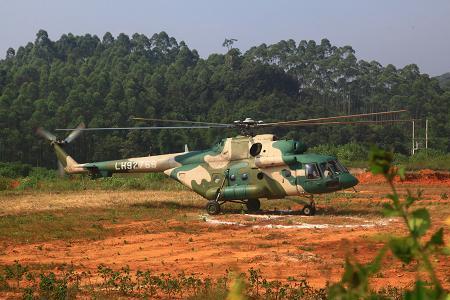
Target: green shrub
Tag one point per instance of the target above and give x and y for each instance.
(352, 152)
(14, 169)
(415, 248)
(400, 158)
(347, 153)
(429, 159)
(42, 173)
(426, 154)
(326, 149)
(28, 183)
(5, 183)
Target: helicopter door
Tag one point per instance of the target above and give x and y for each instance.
(237, 182)
(312, 181)
(329, 171)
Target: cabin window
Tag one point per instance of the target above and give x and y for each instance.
(232, 177)
(255, 149)
(312, 172)
(244, 176)
(260, 175)
(216, 178)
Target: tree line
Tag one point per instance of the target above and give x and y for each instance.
(104, 81)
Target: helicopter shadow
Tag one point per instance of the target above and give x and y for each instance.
(328, 211)
(349, 212)
(263, 212)
(166, 205)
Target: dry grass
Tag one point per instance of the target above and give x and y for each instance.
(11, 203)
(39, 217)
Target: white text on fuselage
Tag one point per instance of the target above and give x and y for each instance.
(131, 165)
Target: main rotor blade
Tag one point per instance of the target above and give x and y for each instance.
(45, 134)
(348, 123)
(74, 134)
(177, 121)
(332, 118)
(144, 128)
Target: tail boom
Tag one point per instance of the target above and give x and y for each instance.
(148, 164)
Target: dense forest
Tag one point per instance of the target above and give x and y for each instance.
(57, 84)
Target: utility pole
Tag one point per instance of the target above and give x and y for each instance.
(416, 142)
(413, 142)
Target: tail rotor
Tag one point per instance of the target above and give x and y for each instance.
(58, 144)
(46, 135)
(54, 140)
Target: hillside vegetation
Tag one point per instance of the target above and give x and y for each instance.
(104, 81)
(444, 80)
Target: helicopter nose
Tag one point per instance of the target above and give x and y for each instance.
(347, 180)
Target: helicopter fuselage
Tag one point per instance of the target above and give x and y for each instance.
(239, 168)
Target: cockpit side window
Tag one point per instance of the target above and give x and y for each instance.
(327, 169)
(312, 172)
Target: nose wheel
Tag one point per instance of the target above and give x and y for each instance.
(213, 207)
(309, 209)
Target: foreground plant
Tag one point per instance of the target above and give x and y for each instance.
(413, 247)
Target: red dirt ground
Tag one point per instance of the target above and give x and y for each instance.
(423, 177)
(304, 247)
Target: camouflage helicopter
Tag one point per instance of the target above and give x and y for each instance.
(240, 169)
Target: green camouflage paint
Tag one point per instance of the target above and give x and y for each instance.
(241, 167)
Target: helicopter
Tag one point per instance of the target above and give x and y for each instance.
(241, 169)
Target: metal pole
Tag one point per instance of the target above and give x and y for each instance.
(413, 143)
(426, 133)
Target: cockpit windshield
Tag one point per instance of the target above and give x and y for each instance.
(332, 167)
(341, 167)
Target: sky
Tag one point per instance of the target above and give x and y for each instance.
(397, 32)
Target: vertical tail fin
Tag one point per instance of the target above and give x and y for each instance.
(68, 164)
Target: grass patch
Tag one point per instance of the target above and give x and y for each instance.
(78, 223)
(45, 226)
(80, 183)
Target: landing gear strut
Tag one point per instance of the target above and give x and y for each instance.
(310, 209)
(213, 206)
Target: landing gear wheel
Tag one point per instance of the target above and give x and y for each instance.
(253, 204)
(309, 210)
(213, 207)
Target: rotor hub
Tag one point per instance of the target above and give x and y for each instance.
(246, 126)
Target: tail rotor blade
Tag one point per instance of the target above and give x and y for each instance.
(45, 134)
(74, 134)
